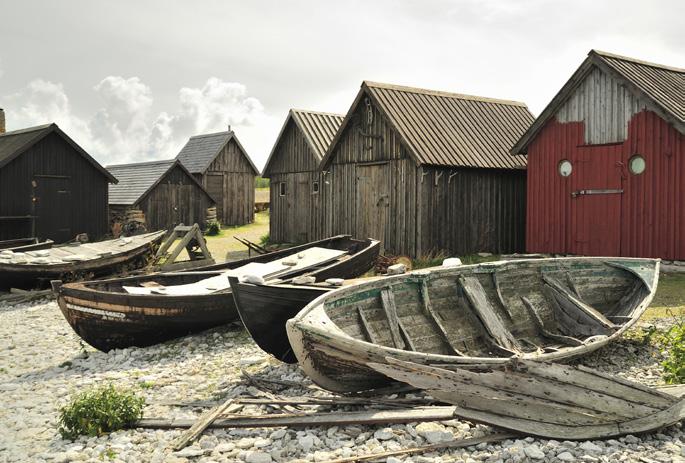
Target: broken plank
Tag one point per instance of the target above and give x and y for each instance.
(487, 314)
(366, 326)
(568, 340)
(201, 424)
(428, 448)
(390, 309)
(406, 415)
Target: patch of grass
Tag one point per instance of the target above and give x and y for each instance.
(99, 411)
(261, 183)
(673, 341)
(146, 384)
(110, 454)
(264, 240)
(669, 300)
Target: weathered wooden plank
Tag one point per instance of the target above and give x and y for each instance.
(367, 329)
(201, 424)
(428, 307)
(487, 314)
(408, 415)
(388, 301)
(568, 340)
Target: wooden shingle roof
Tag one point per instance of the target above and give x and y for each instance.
(137, 179)
(663, 87)
(318, 129)
(448, 129)
(201, 150)
(14, 143)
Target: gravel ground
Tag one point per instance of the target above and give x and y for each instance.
(42, 363)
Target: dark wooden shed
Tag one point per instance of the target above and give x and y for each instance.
(220, 163)
(50, 187)
(427, 171)
(165, 192)
(295, 178)
(606, 162)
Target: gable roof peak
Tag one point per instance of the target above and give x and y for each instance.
(606, 54)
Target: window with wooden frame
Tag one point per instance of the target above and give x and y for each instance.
(281, 189)
(315, 188)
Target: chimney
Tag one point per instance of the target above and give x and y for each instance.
(2, 120)
(229, 127)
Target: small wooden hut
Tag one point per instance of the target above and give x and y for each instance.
(606, 162)
(293, 171)
(427, 171)
(160, 194)
(220, 163)
(49, 186)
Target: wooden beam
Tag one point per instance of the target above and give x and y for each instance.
(580, 308)
(390, 309)
(201, 424)
(487, 313)
(428, 307)
(366, 326)
(568, 340)
(404, 415)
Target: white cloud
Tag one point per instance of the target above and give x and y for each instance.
(126, 128)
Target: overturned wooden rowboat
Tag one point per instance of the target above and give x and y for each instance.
(539, 309)
(543, 399)
(146, 310)
(28, 268)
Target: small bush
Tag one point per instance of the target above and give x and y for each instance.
(99, 411)
(213, 228)
(673, 341)
(264, 240)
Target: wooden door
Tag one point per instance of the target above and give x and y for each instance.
(53, 208)
(596, 194)
(301, 208)
(215, 188)
(372, 201)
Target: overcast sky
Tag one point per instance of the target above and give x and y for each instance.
(132, 80)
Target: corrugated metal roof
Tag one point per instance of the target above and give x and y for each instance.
(318, 128)
(136, 179)
(201, 150)
(450, 129)
(663, 86)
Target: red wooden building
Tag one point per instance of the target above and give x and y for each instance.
(606, 162)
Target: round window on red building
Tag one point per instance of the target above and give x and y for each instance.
(565, 167)
(637, 165)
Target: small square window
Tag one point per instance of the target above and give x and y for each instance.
(315, 188)
(281, 189)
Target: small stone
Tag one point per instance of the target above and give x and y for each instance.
(631, 439)
(258, 457)
(279, 434)
(245, 443)
(451, 262)
(393, 460)
(397, 269)
(434, 432)
(534, 452)
(566, 456)
(590, 447)
(306, 442)
(251, 360)
(224, 447)
(384, 434)
(261, 442)
(190, 452)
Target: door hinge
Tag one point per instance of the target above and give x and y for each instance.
(595, 192)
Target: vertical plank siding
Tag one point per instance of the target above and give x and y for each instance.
(88, 189)
(237, 202)
(175, 200)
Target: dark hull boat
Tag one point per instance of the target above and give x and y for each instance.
(145, 310)
(264, 309)
(539, 309)
(29, 268)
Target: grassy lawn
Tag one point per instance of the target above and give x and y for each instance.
(669, 300)
(222, 244)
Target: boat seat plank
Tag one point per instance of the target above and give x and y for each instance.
(500, 297)
(584, 311)
(434, 317)
(367, 329)
(487, 314)
(568, 340)
(390, 309)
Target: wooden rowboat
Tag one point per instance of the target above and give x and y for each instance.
(539, 309)
(37, 267)
(145, 310)
(265, 309)
(543, 399)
